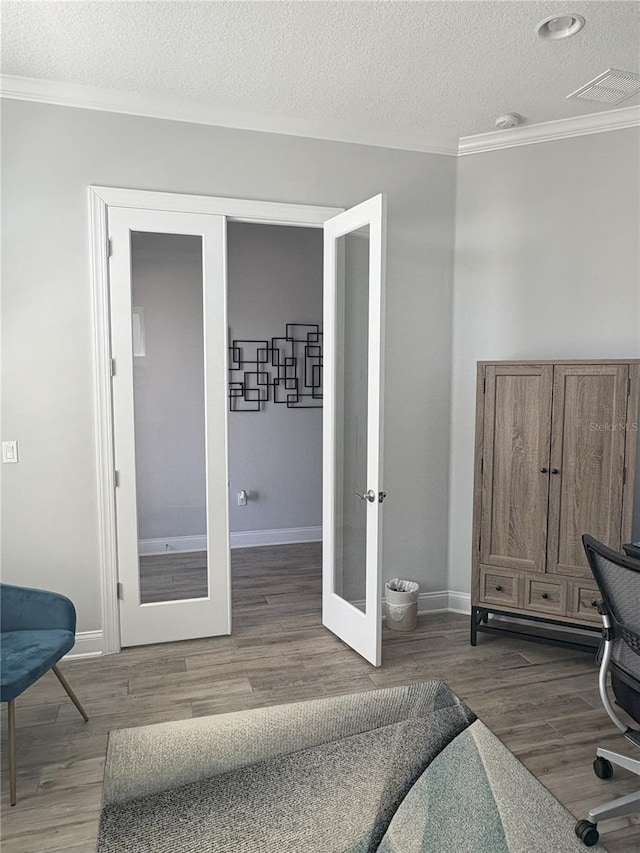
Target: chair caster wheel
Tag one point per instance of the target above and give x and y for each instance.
(587, 832)
(603, 768)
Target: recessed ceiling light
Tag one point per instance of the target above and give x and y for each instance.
(560, 27)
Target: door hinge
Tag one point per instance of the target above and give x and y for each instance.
(624, 476)
(480, 542)
(119, 591)
(628, 386)
(482, 465)
(113, 367)
(484, 386)
(116, 479)
(109, 247)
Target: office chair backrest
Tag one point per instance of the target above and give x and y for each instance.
(618, 579)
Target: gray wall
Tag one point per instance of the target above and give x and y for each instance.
(50, 156)
(166, 274)
(546, 267)
(275, 278)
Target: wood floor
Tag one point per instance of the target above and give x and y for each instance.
(172, 577)
(542, 701)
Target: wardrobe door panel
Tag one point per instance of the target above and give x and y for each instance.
(587, 462)
(515, 479)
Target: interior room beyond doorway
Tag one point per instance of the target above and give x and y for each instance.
(275, 404)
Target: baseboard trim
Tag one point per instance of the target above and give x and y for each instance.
(459, 602)
(444, 601)
(283, 536)
(173, 544)
(89, 644)
(242, 539)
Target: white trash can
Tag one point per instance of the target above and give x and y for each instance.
(401, 604)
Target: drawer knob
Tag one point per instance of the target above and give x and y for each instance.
(498, 588)
(544, 595)
(543, 470)
(555, 471)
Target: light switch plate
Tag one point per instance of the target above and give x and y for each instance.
(9, 452)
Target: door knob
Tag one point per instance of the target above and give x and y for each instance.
(543, 470)
(555, 471)
(368, 496)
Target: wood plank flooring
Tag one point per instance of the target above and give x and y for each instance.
(542, 701)
(172, 577)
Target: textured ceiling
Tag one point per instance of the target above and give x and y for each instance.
(430, 70)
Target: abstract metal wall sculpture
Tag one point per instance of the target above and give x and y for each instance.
(285, 370)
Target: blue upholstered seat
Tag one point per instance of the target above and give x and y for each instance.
(26, 655)
(37, 628)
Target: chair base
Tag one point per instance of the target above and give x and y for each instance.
(628, 804)
(11, 708)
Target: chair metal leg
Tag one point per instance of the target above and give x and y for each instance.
(632, 764)
(69, 691)
(617, 808)
(12, 750)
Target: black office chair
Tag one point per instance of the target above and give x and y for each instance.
(618, 579)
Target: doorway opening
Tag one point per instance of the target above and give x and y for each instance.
(274, 309)
(345, 372)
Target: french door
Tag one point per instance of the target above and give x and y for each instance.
(353, 493)
(167, 281)
(169, 345)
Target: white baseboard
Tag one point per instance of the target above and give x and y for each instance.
(444, 601)
(459, 602)
(284, 536)
(174, 544)
(89, 644)
(243, 539)
(433, 602)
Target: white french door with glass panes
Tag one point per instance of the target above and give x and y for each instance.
(167, 279)
(354, 281)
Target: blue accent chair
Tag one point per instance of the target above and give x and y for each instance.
(37, 628)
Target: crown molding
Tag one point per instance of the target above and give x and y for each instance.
(549, 131)
(175, 109)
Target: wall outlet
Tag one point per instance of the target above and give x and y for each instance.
(242, 498)
(9, 452)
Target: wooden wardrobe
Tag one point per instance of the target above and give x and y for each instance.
(555, 457)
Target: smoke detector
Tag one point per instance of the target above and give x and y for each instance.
(560, 27)
(508, 120)
(611, 87)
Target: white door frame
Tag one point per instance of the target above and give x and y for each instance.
(100, 200)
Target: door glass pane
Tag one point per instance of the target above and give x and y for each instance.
(168, 379)
(352, 344)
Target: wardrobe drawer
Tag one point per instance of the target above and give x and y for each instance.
(499, 586)
(584, 598)
(545, 596)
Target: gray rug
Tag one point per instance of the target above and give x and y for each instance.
(392, 770)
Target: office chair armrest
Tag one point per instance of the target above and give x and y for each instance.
(24, 609)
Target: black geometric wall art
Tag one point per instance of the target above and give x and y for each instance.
(285, 370)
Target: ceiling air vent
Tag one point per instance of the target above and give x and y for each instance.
(612, 87)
